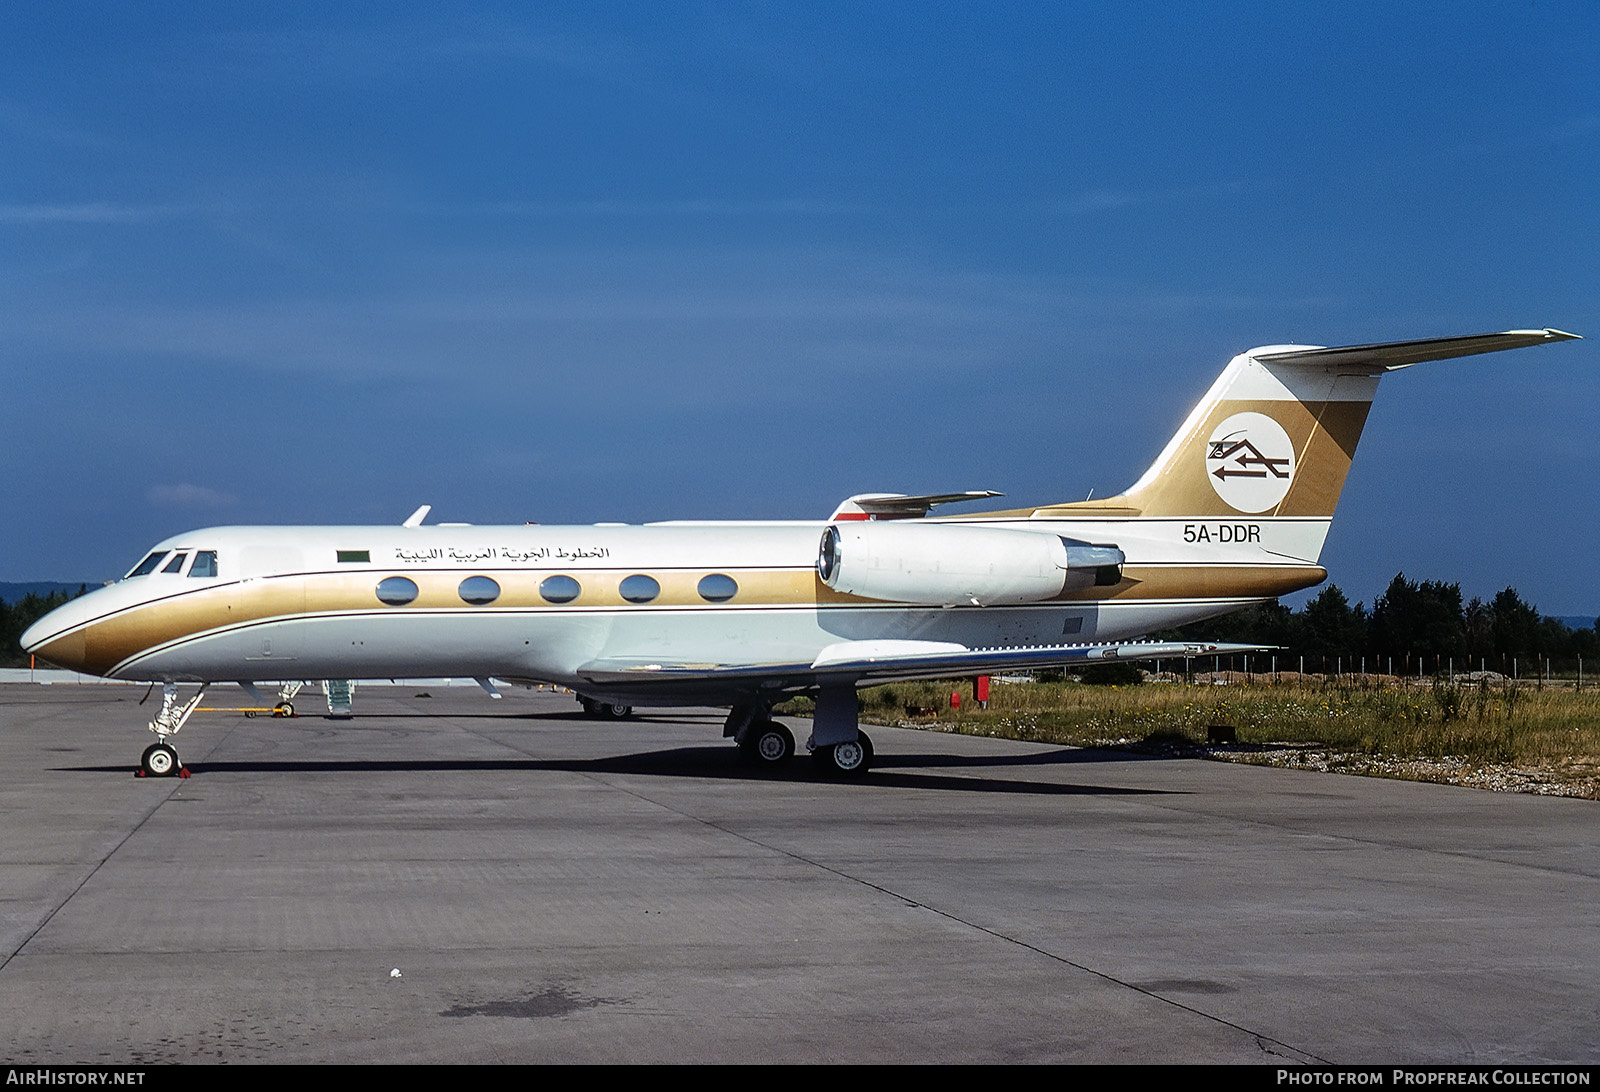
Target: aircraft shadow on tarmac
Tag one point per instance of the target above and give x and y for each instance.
(720, 763)
(571, 718)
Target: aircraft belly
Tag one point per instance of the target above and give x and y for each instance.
(423, 643)
(717, 635)
(798, 635)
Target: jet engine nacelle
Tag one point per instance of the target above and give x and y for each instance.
(956, 565)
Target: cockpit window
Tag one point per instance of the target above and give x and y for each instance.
(205, 564)
(148, 565)
(175, 565)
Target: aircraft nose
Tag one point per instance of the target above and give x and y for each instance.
(37, 634)
(44, 640)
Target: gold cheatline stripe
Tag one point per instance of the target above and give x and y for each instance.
(108, 642)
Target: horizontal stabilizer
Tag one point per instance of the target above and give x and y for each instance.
(900, 506)
(1393, 355)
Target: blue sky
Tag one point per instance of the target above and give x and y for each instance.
(279, 264)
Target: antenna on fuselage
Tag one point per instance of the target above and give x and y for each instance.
(418, 516)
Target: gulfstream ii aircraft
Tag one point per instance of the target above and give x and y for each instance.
(1233, 511)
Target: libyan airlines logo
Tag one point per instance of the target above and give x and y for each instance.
(1250, 462)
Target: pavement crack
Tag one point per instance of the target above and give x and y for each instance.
(1265, 1042)
(60, 905)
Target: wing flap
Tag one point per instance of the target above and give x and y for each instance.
(853, 662)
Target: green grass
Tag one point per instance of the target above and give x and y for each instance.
(1481, 723)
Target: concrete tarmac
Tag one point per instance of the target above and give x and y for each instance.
(556, 889)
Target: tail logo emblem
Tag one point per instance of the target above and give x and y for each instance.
(1250, 462)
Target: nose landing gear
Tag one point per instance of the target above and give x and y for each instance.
(160, 759)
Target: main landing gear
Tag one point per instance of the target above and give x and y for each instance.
(160, 759)
(766, 743)
(604, 710)
(838, 746)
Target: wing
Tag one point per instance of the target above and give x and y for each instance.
(857, 663)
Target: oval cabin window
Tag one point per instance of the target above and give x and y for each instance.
(717, 588)
(396, 591)
(559, 589)
(639, 588)
(478, 591)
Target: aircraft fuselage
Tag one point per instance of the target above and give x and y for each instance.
(537, 603)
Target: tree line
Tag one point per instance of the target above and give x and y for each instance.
(1422, 621)
(16, 617)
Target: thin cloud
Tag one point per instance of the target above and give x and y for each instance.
(1110, 200)
(364, 53)
(89, 212)
(30, 124)
(826, 309)
(185, 495)
(708, 207)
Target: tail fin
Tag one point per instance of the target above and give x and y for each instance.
(1276, 432)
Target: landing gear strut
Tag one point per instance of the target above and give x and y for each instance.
(285, 705)
(762, 741)
(160, 759)
(838, 745)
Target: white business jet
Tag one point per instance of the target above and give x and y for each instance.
(1234, 511)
